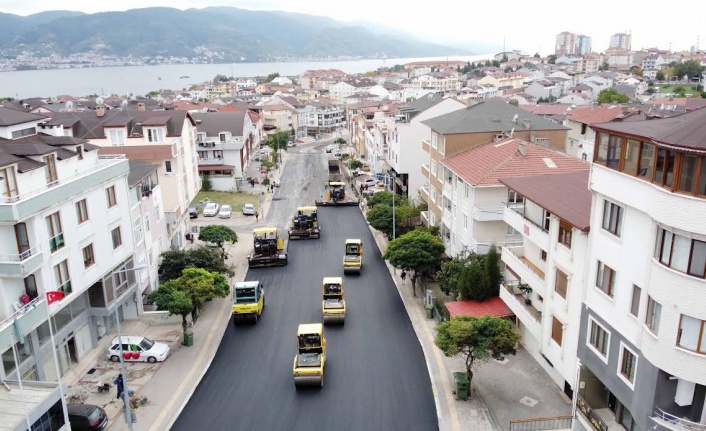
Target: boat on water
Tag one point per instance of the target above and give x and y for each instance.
(159, 77)
(184, 77)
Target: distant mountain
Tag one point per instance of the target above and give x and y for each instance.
(221, 33)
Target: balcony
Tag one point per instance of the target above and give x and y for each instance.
(528, 315)
(527, 271)
(666, 420)
(425, 171)
(601, 419)
(529, 229)
(425, 145)
(21, 264)
(35, 201)
(28, 318)
(488, 213)
(424, 193)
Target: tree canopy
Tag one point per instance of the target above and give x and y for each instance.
(551, 59)
(271, 77)
(689, 68)
(380, 218)
(418, 251)
(169, 297)
(278, 141)
(175, 261)
(471, 276)
(380, 213)
(611, 95)
(217, 234)
(477, 338)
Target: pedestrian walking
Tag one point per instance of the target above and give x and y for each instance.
(120, 385)
(257, 216)
(403, 275)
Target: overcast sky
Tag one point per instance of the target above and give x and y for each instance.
(529, 26)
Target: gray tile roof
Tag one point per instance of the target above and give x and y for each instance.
(213, 123)
(139, 170)
(19, 150)
(12, 117)
(490, 116)
(88, 125)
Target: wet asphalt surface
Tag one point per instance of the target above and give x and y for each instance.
(375, 377)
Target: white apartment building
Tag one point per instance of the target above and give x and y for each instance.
(437, 81)
(279, 117)
(552, 214)
(642, 345)
(581, 136)
(473, 198)
(167, 138)
(224, 141)
(345, 88)
(621, 40)
(406, 131)
(66, 223)
(322, 117)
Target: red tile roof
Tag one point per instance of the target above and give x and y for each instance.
(494, 307)
(486, 164)
(230, 108)
(588, 114)
(546, 108)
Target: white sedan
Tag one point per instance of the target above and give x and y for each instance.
(224, 212)
(211, 209)
(248, 209)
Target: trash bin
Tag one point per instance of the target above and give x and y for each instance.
(461, 384)
(188, 338)
(430, 311)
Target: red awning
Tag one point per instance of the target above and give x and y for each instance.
(494, 307)
(209, 168)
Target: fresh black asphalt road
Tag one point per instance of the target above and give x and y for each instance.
(375, 377)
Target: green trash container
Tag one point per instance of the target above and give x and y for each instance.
(461, 384)
(430, 311)
(188, 338)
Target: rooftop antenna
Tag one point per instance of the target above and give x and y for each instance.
(99, 101)
(69, 105)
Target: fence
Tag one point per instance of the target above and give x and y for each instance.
(542, 424)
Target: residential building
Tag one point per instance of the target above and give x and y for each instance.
(167, 138)
(583, 44)
(66, 228)
(588, 64)
(225, 142)
(405, 155)
(310, 79)
(461, 130)
(544, 89)
(322, 117)
(566, 44)
(552, 214)
(437, 81)
(342, 89)
(581, 136)
(472, 196)
(621, 40)
(279, 117)
(641, 347)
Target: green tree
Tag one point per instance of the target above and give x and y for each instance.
(492, 274)
(152, 93)
(356, 164)
(471, 276)
(659, 76)
(449, 275)
(604, 66)
(175, 261)
(536, 55)
(636, 70)
(384, 198)
(339, 141)
(200, 286)
(380, 218)
(271, 77)
(169, 297)
(477, 338)
(218, 234)
(220, 78)
(611, 95)
(474, 281)
(206, 184)
(278, 141)
(551, 59)
(418, 251)
(690, 69)
(495, 63)
(679, 91)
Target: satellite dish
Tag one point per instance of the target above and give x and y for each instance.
(69, 104)
(99, 101)
(124, 103)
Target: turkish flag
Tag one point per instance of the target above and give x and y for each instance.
(54, 296)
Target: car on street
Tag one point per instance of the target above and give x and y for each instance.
(211, 209)
(329, 148)
(86, 417)
(224, 212)
(337, 153)
(248, 209)
(138, 349)
(292, 144)
(370, 182)
(193, 212)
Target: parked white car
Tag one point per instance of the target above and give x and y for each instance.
(211, 209)
(248, 209)
(224, 212)
(138, 349)
(329, 148)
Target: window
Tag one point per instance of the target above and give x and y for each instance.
(609, 148)
(547, 220)
(50, 169)
(81, 211)
(31, 286)
(632, 152)
(465, 221)
(664, 168)
(565, 230)
(681, 253)
(628, 364)
(56, 233)
(222, 137)
(442, 145)
(647, 159)
(138, 230)
(433, 140)
(88, 257)
(612, 217)
(687, 177)
(654, 312)
(691, 334)
(22, 238)
(598, 338)
(116, 137)
(8, 184)
(466, 190)
(605, 279)
(24, 132)
(543, 255)
(147, 223)
(433, 167)
(561, 283)
(510, 231)
(557, 330)
(63, 281)
(433, 194)
(635, 302)
(155, 135)
(110, 196)
(117, 237)
(514, 198)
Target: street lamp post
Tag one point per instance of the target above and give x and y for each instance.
(126, 398)
(392, 189)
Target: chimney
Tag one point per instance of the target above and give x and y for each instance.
(526, 122)
(522, 148)
(141, 106)
(100, 110)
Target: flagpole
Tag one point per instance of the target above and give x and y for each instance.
(56, 367)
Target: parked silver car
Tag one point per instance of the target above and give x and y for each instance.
(224, 212)
(211, 209)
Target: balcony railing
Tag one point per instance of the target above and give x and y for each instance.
(675, 423)
(591, 416)
(519, 299)
(544, 424)
(19, 258)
